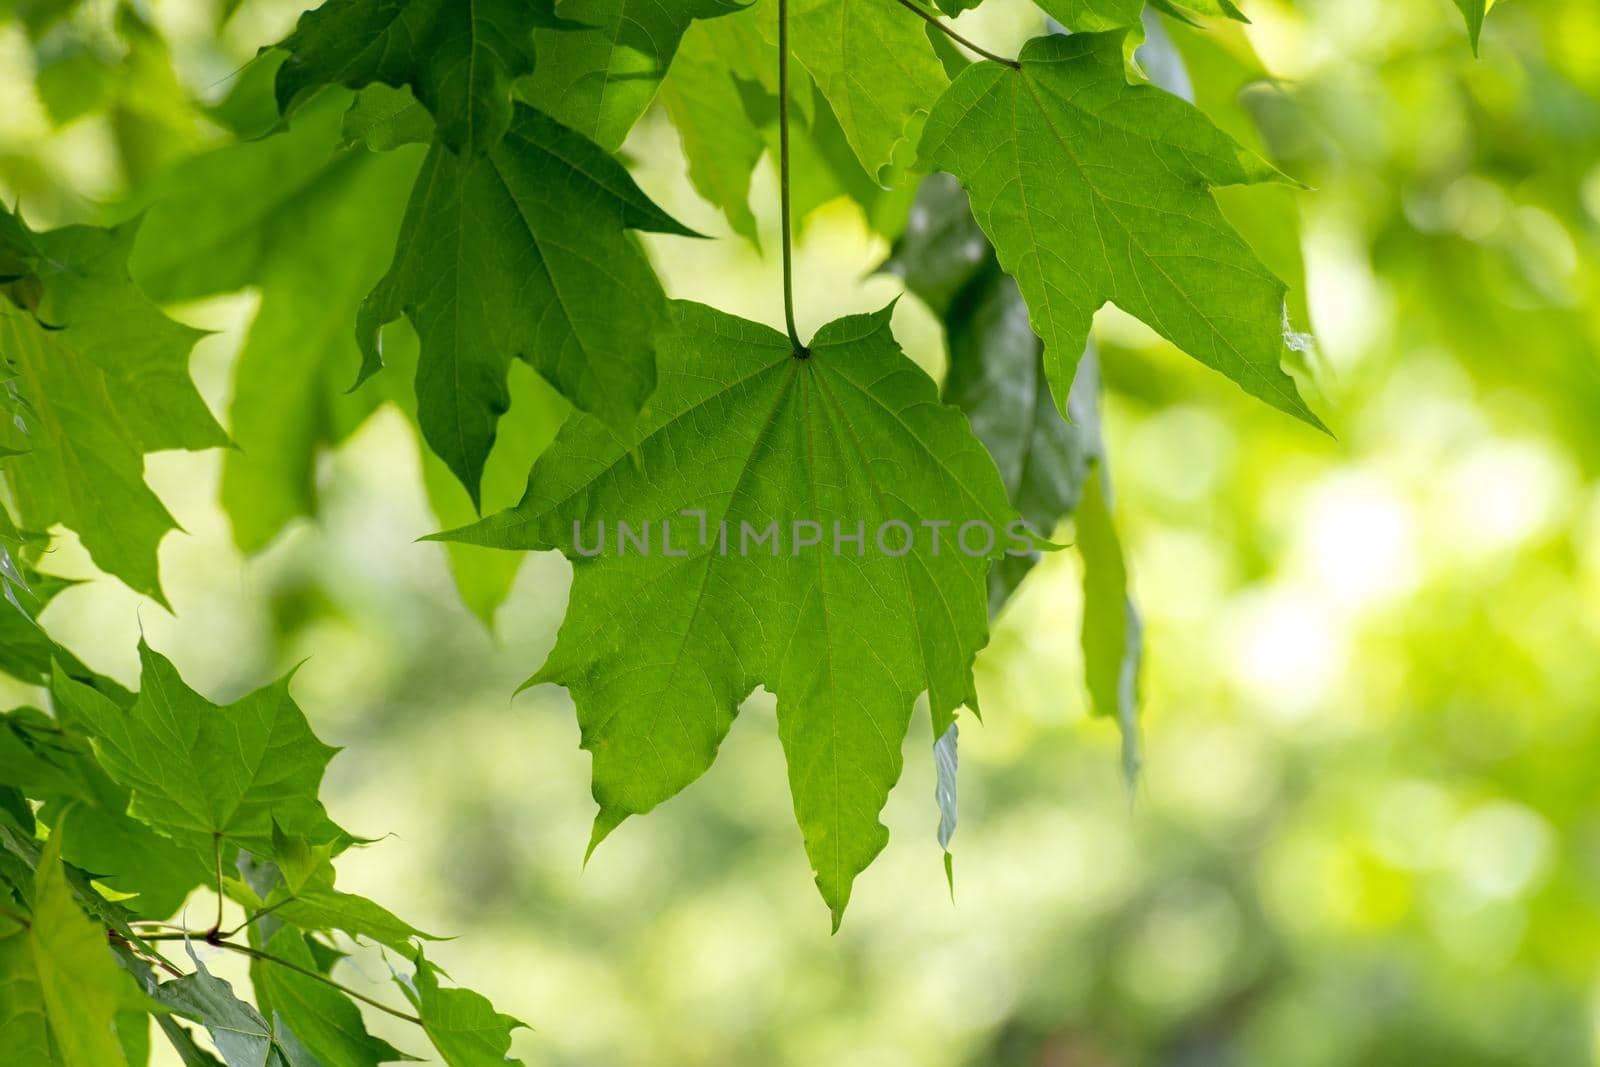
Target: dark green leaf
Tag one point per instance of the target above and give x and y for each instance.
(459, 57)
(521, 252)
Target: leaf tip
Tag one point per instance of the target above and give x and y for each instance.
(605, 821)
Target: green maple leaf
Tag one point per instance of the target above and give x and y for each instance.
(996, 369)
(521, 252)
(101, 377)
(50, 763)
(60, 988)
(599, 80)
(311, 228)
(463, 1026)
(200, 771)
(311, 225)
(874, 63)
(326, 1021)
(720, 142)
(1093, 190)
(460, 57)
(658, 651)
(1051, 468)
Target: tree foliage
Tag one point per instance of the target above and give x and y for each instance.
(423, 194)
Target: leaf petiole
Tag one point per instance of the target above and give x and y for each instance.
(800, 350)
(954, 36)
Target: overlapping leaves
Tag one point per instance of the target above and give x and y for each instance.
(459, 57)
(151, 795)
(95, 377)
(1093, 190)
(521, 251)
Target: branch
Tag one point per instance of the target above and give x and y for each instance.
(267, 957)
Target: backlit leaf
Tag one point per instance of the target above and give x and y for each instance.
(1093, 190)
(659, 650)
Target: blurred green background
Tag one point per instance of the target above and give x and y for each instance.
(1368, 827)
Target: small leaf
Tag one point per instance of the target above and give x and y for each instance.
(384, 118)
(1112, 630)
(198, 770)
(241, 1034)
(1092, 16)
(462, 1025)
(1474, 11)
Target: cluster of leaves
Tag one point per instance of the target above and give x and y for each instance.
(432, 188)
(114, 808)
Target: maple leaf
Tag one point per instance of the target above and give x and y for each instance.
(241, 1034)
(837, 40)
(98, 377)
(658, 651)
(311, 228)
(720, 142)
(599, 79)
(200, 772)
(521, 252)
(460, 57)
(1092, 189)
(463, 1026)
(1051, 468)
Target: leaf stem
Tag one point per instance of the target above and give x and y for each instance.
(956, 37)
(216, 850)
(267, 957)
(800, 350)
(263, 913)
